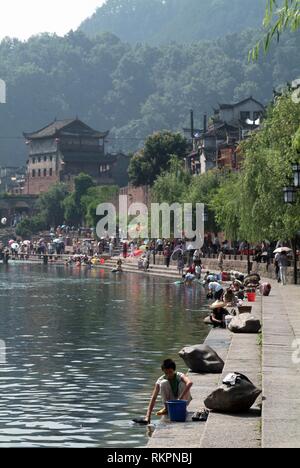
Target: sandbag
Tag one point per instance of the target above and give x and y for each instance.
(265, 289)
(252, 279)
(245, 323)
(202, 359)
(237, 397)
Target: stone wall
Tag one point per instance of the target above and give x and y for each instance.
(211, 264)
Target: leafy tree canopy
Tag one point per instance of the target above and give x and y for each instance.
(146, 165)
(280, 15)
(163, 21)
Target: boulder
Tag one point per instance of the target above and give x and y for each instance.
(237, 398)
(207, 320)
(245, 323)
(201, 359)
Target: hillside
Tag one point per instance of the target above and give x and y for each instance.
(165, 21)
(130, 90)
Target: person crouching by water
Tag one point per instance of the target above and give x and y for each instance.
(218, 314)
(171, 386)
(119, 265)
(215, 291)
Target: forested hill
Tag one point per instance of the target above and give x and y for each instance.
(164, 21)
(131, 90)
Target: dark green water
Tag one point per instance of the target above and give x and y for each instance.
(83, 351)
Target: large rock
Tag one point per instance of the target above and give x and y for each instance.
(245, 323)
(207, 320)
(201, 359)
(233, 399)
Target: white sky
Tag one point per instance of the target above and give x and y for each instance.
(24, 18)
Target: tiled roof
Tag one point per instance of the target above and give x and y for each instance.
(59, 127)
(231, 106)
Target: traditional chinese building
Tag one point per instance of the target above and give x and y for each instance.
(216, 145)
(62, 150)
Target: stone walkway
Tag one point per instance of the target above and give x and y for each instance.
(188, 435)
(243, 430)
(267, 360)
(281, 376)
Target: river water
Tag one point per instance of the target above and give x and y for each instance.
(83, 351)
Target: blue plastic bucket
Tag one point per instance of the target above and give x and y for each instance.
(177, 410)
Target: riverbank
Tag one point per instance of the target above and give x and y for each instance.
(272, 361)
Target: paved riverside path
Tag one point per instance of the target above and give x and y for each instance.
(188, 435)
(268, 362)
(240, 430)
(281, 376)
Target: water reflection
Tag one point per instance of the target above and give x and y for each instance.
(83, 351)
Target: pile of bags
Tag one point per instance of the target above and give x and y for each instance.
(236, 395)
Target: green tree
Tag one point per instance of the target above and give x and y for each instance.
(73, 211)
(94, 197)
(50, 205)
(146, 165)
(171, 186)
(280, 16)
(29, 226)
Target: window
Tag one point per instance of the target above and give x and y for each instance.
(257, 115)
(45, 158)
(245, 116)
(33, 172)
(104, 168)
(51, 158)
(39, 173)
(33, 160)
(39, 160)
(50, 172)
(45, 172)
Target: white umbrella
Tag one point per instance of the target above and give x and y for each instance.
(15, 246)
(58, 241)
(283, 249)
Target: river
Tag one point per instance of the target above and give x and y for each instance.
(83, 351)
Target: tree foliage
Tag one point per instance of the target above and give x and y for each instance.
(172, 185)
(280, 15)
(165, 21)
(50, 205)
(73, 210)
(94, 197)
(147, 164)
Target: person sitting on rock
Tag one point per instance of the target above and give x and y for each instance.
(218, 314)
(171, 386)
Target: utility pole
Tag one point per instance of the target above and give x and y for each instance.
(192, 125)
